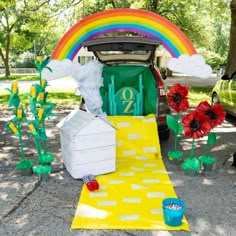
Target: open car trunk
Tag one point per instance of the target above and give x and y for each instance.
(130, 87)
(109, 50)
(128, 90)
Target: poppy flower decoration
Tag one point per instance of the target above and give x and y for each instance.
(216, 113)
(177, 97)
(196, 124)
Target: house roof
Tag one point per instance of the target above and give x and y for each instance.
(76, 121)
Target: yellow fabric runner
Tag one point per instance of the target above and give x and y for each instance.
(131, 197)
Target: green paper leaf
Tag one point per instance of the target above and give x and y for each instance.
(8, 89)
(14, 100)
(211, 138)
(11, 100)
(42, 134)
(38, 65)
(48, 68)
(171, 122)
(26, 94)
(45, 61)
(36, 135)
(15, 119)
(32, 105)
(9, 129)
(7, 126)
(38, 88)
(48, 107)
(180, 127)
(51, 105)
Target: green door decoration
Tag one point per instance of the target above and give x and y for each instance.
(127, 101)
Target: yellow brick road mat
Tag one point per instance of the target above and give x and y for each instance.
(131, 197)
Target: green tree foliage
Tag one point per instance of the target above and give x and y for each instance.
(29, 25)
(206, 23)
(92, 6)
(212, 58)
(37, 25)
(15, 19)
(231, 62)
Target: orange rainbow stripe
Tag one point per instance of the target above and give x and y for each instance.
(124, 20)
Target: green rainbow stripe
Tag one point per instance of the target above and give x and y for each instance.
(122, 20)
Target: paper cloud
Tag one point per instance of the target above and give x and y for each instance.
(60, 69)
(88, 77)
(191, 65)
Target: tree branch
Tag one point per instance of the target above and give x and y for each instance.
(1, 54)
(37, 7)
(76, 3)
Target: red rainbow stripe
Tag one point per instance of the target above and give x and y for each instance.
(125, 19)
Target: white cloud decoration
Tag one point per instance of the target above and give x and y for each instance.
(191, 65)
(88, 77)
(61, 69)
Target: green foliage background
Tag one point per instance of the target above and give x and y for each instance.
(37, 25)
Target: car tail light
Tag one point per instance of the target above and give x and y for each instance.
(161, 87)
(162, 91)
(162, 118)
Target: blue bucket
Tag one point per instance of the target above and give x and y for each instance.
(173, 211)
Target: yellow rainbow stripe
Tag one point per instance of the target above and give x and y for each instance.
(124, 20)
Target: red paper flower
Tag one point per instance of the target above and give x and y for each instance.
(216, 113)
(196, 124)
(177, 97)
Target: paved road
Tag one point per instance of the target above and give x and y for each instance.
(70, 84)
(29, 208)
(190, 81)
(53, 85)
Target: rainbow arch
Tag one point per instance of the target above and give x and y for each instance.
(124, 20)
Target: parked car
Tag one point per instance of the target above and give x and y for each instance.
(224, 93)
(133, 85)
(220, 70)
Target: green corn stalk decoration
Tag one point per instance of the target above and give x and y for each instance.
(175, 125)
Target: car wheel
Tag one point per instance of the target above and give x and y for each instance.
(164, 135)
(82, 105)
(214, 99)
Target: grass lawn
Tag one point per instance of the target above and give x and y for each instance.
(58, 98)
(67, 97)
(26, 77)
(199, 94)
(196, 95)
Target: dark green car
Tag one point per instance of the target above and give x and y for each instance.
(224, 93)
(132, 83)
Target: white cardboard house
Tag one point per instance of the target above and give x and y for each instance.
(88, 144)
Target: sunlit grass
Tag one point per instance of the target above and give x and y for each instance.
(58, 98)
(199, 94)
(25, 77)
(62, 98)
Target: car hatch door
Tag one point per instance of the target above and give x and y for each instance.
(232, 93)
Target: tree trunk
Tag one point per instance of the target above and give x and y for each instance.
(154, 5)
(6, 63)
(231, 62)
(7, 69)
